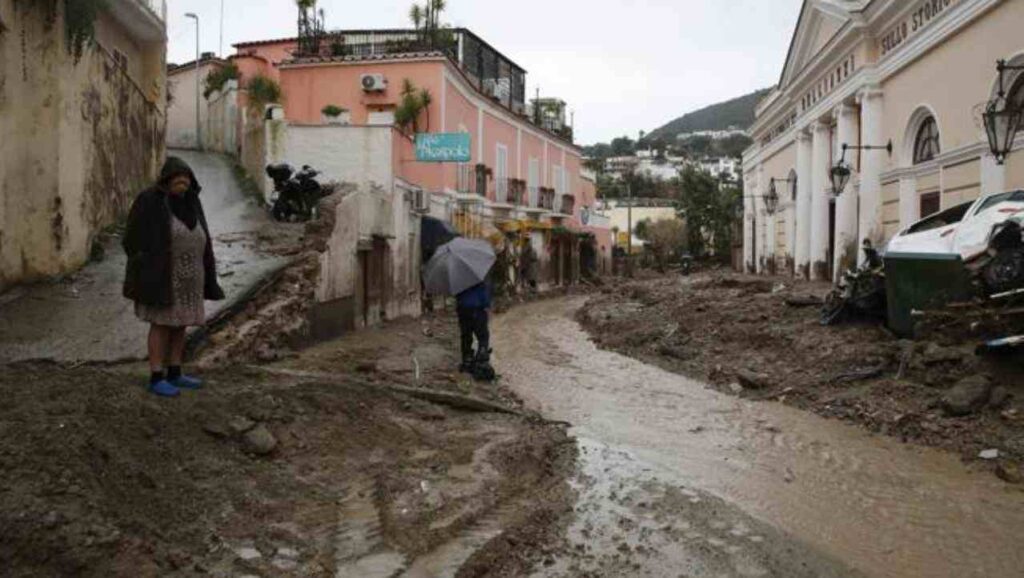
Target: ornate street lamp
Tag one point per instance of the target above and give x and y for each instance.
(841, 172)
(771, 200)
(1002, 117)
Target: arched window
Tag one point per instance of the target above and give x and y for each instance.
(926, 144)
(792, 185)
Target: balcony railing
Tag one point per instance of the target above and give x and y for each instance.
(547, 199)
(516, 192)
(568, 205)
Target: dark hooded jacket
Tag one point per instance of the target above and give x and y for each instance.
(147, 240)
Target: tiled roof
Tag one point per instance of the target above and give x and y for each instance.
(265, 42)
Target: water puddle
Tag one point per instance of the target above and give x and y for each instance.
(883, 508)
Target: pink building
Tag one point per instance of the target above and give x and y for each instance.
(524, 172)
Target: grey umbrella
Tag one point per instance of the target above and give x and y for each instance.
(457, 266)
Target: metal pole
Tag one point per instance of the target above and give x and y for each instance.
(629, 224)
(221, 51)
(199, 136)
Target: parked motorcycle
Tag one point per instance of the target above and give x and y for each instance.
(859, 292)
(295, 194)
(686, 264)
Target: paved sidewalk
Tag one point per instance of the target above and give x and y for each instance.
(85, 319)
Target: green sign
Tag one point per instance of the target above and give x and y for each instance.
(443, 147)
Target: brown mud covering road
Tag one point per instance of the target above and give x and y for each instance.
(678, 479)
(330, 463)
(743, 335)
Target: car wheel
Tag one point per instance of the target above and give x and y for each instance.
(1006, 271)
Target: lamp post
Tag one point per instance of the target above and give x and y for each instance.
(771, 205)
(220, 51)
(841, 172)
(199, 135)
(1002, 117)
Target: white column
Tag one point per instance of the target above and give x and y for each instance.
(748, 236)
(769, 222)
(802, 253)
(910, 207)
(819, 201)
(790, 225)
(845, 250)
(871, 169)
(993, 175)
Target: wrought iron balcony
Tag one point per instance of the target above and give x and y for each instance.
(568, 205)
(516, 193)
(547, 199)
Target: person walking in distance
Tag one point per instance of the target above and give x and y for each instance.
(472, 305)
(171, 271)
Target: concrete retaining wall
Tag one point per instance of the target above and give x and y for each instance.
(79, 140)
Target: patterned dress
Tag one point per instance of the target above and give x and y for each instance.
(187, 280)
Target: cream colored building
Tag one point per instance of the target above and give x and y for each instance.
(915, 73)
(181, 112)
(81, 131)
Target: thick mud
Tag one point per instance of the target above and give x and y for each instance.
(821, 497)
(332, 471)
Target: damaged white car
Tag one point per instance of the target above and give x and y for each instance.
(986, 234)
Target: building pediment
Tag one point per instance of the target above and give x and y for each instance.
(820, 22)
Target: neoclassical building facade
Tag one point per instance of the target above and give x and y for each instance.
(913, 73)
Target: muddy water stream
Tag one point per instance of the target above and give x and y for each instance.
(877, 506)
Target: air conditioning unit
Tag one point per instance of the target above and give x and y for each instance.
(498, 89)
(421, 201)
(374, 82)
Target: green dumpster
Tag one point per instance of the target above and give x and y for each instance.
(919, 281)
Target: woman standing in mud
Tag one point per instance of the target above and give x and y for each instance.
(170, 271)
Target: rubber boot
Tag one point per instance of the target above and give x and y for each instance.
(186, 382)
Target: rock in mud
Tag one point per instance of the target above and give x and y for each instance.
(247, 553)
(1000, 396)
(753, 380)
(259, 441)
(241, 424)
(674, 352)
(967, 396)
(1009, 473)
(935, 354)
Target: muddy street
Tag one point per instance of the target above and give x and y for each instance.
(675, 475)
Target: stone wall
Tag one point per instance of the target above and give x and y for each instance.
(79, 140)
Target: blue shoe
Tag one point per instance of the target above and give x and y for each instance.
(164, 389)
(186, 382)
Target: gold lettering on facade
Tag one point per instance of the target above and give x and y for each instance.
(917, 21)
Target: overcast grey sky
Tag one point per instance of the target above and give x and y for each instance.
(622, 65)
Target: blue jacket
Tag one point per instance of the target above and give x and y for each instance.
(476, 297)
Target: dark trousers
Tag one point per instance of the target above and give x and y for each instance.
(473, 322)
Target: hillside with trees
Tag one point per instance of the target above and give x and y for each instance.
(738, 113)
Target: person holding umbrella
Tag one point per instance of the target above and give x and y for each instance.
(472, 306)
(460, 268)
